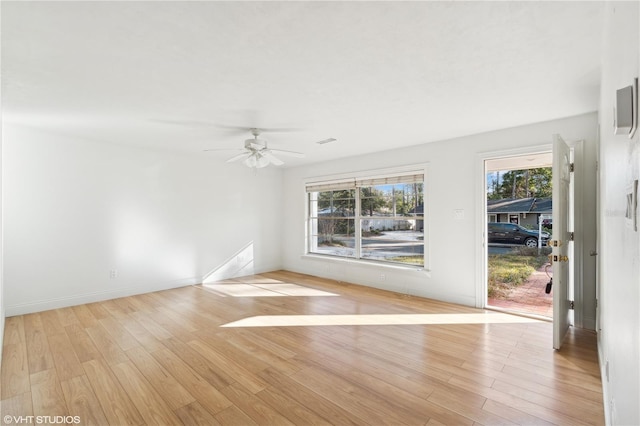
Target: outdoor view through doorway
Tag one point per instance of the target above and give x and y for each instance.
(519, 206)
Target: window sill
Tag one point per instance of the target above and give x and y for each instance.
(363, 262)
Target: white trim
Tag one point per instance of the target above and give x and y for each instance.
(578, 230)
(348, 260)
(98, 296)
(481, 206)
(365, 174)
(79, 299)
(422, 168)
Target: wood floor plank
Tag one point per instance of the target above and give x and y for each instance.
(259, 339)
(292, 410)
(181, 317)
(116, 404)
(106, 344)
(587, 408)
(238, 372)
(194, 414)
(82, 401)
(210, 398)
(15, 364)
(38, 351)
(234, 416)
(357, 399)
(51, 322)
(17, 406)
(522, 404)
(295, 391)
(254, 407)
(239, 354)
(165, 358)
(84, 315)
(46, 394)
(151, 326)
(173, 393)
(97, 310)
(149, 403)
(114, 310)
(67, 316)
(514, 415)
(209, 370)
(465, 403)
(82, 344)
(251, 346)
(141, 334)
(64, 357)
(122, 337)
(176, 329)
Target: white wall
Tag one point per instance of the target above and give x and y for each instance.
(619, 321)
(452, 184)
(2, 314)
(76, 209)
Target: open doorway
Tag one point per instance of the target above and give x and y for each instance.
(519, 224)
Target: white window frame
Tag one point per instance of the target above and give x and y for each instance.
(331, 180)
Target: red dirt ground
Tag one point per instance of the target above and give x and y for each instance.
(529, 297)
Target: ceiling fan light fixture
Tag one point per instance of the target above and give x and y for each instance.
(262, 161)
(256, 160)
(250, 161)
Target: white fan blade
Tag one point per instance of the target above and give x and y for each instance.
(273, 159)
(222, 149)
(245, 129)
(189, 123)
(322, 142)
(289, 153)
(237, 157)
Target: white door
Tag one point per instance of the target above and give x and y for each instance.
(561, 239)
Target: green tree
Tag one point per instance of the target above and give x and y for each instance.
(372, 200)
(521, 184)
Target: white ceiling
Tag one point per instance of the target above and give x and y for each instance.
(374, 75)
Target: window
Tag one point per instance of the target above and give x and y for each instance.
(376, 219)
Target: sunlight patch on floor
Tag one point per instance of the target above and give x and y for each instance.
(378, 319)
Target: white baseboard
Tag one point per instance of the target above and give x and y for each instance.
(98, 296)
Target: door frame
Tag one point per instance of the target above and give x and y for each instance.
(577, 148)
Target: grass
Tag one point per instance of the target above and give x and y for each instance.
(507, 271)
(412, 260)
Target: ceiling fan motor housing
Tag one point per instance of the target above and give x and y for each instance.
(250, 143)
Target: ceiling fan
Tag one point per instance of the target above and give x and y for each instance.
(256, 154)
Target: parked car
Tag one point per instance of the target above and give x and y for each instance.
(510, 233)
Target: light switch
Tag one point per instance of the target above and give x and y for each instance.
(458, 214)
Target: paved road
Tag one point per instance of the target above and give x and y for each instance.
(501, 248)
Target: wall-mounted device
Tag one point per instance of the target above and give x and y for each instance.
(626, 112)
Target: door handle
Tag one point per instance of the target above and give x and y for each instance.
(593, 253)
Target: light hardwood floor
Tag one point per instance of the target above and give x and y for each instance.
(284, 348)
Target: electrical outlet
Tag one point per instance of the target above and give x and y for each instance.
(113, 274)
(382, 277)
